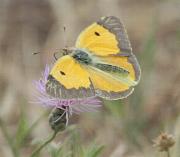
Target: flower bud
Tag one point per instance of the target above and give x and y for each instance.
(58, 119)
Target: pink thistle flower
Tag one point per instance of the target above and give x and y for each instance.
(69, 106)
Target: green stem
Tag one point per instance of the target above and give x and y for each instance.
(34, 125)
(168, 153)
(8, 139)
(36, 151)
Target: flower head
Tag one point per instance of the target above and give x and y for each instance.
(164, 141)
(69, 106)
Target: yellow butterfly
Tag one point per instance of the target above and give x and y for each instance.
(101, 64)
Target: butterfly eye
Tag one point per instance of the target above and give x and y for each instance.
(96, 33)
(62, 73)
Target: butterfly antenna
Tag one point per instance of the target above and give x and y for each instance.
(54, 55)
(65, 36)
(64, 28)
(64, 43)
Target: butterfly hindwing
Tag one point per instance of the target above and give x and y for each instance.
(113, 77)
(127, 62)
(106, 85)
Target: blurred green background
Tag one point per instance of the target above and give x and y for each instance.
(123, 128)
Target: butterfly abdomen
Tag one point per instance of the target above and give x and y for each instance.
(111, 68)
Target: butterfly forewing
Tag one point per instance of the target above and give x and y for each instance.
(68, 79)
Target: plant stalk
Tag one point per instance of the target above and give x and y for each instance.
(37, 151)
(168, 153)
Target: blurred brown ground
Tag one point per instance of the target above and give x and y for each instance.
(28, 26)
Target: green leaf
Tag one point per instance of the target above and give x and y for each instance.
(75, 145)
(55, 151)
(21, 130)
(24, 129)
(95, 151)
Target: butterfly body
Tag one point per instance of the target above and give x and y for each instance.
(101, 64)
(83, 57)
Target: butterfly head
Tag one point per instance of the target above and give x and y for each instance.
(68, 50)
